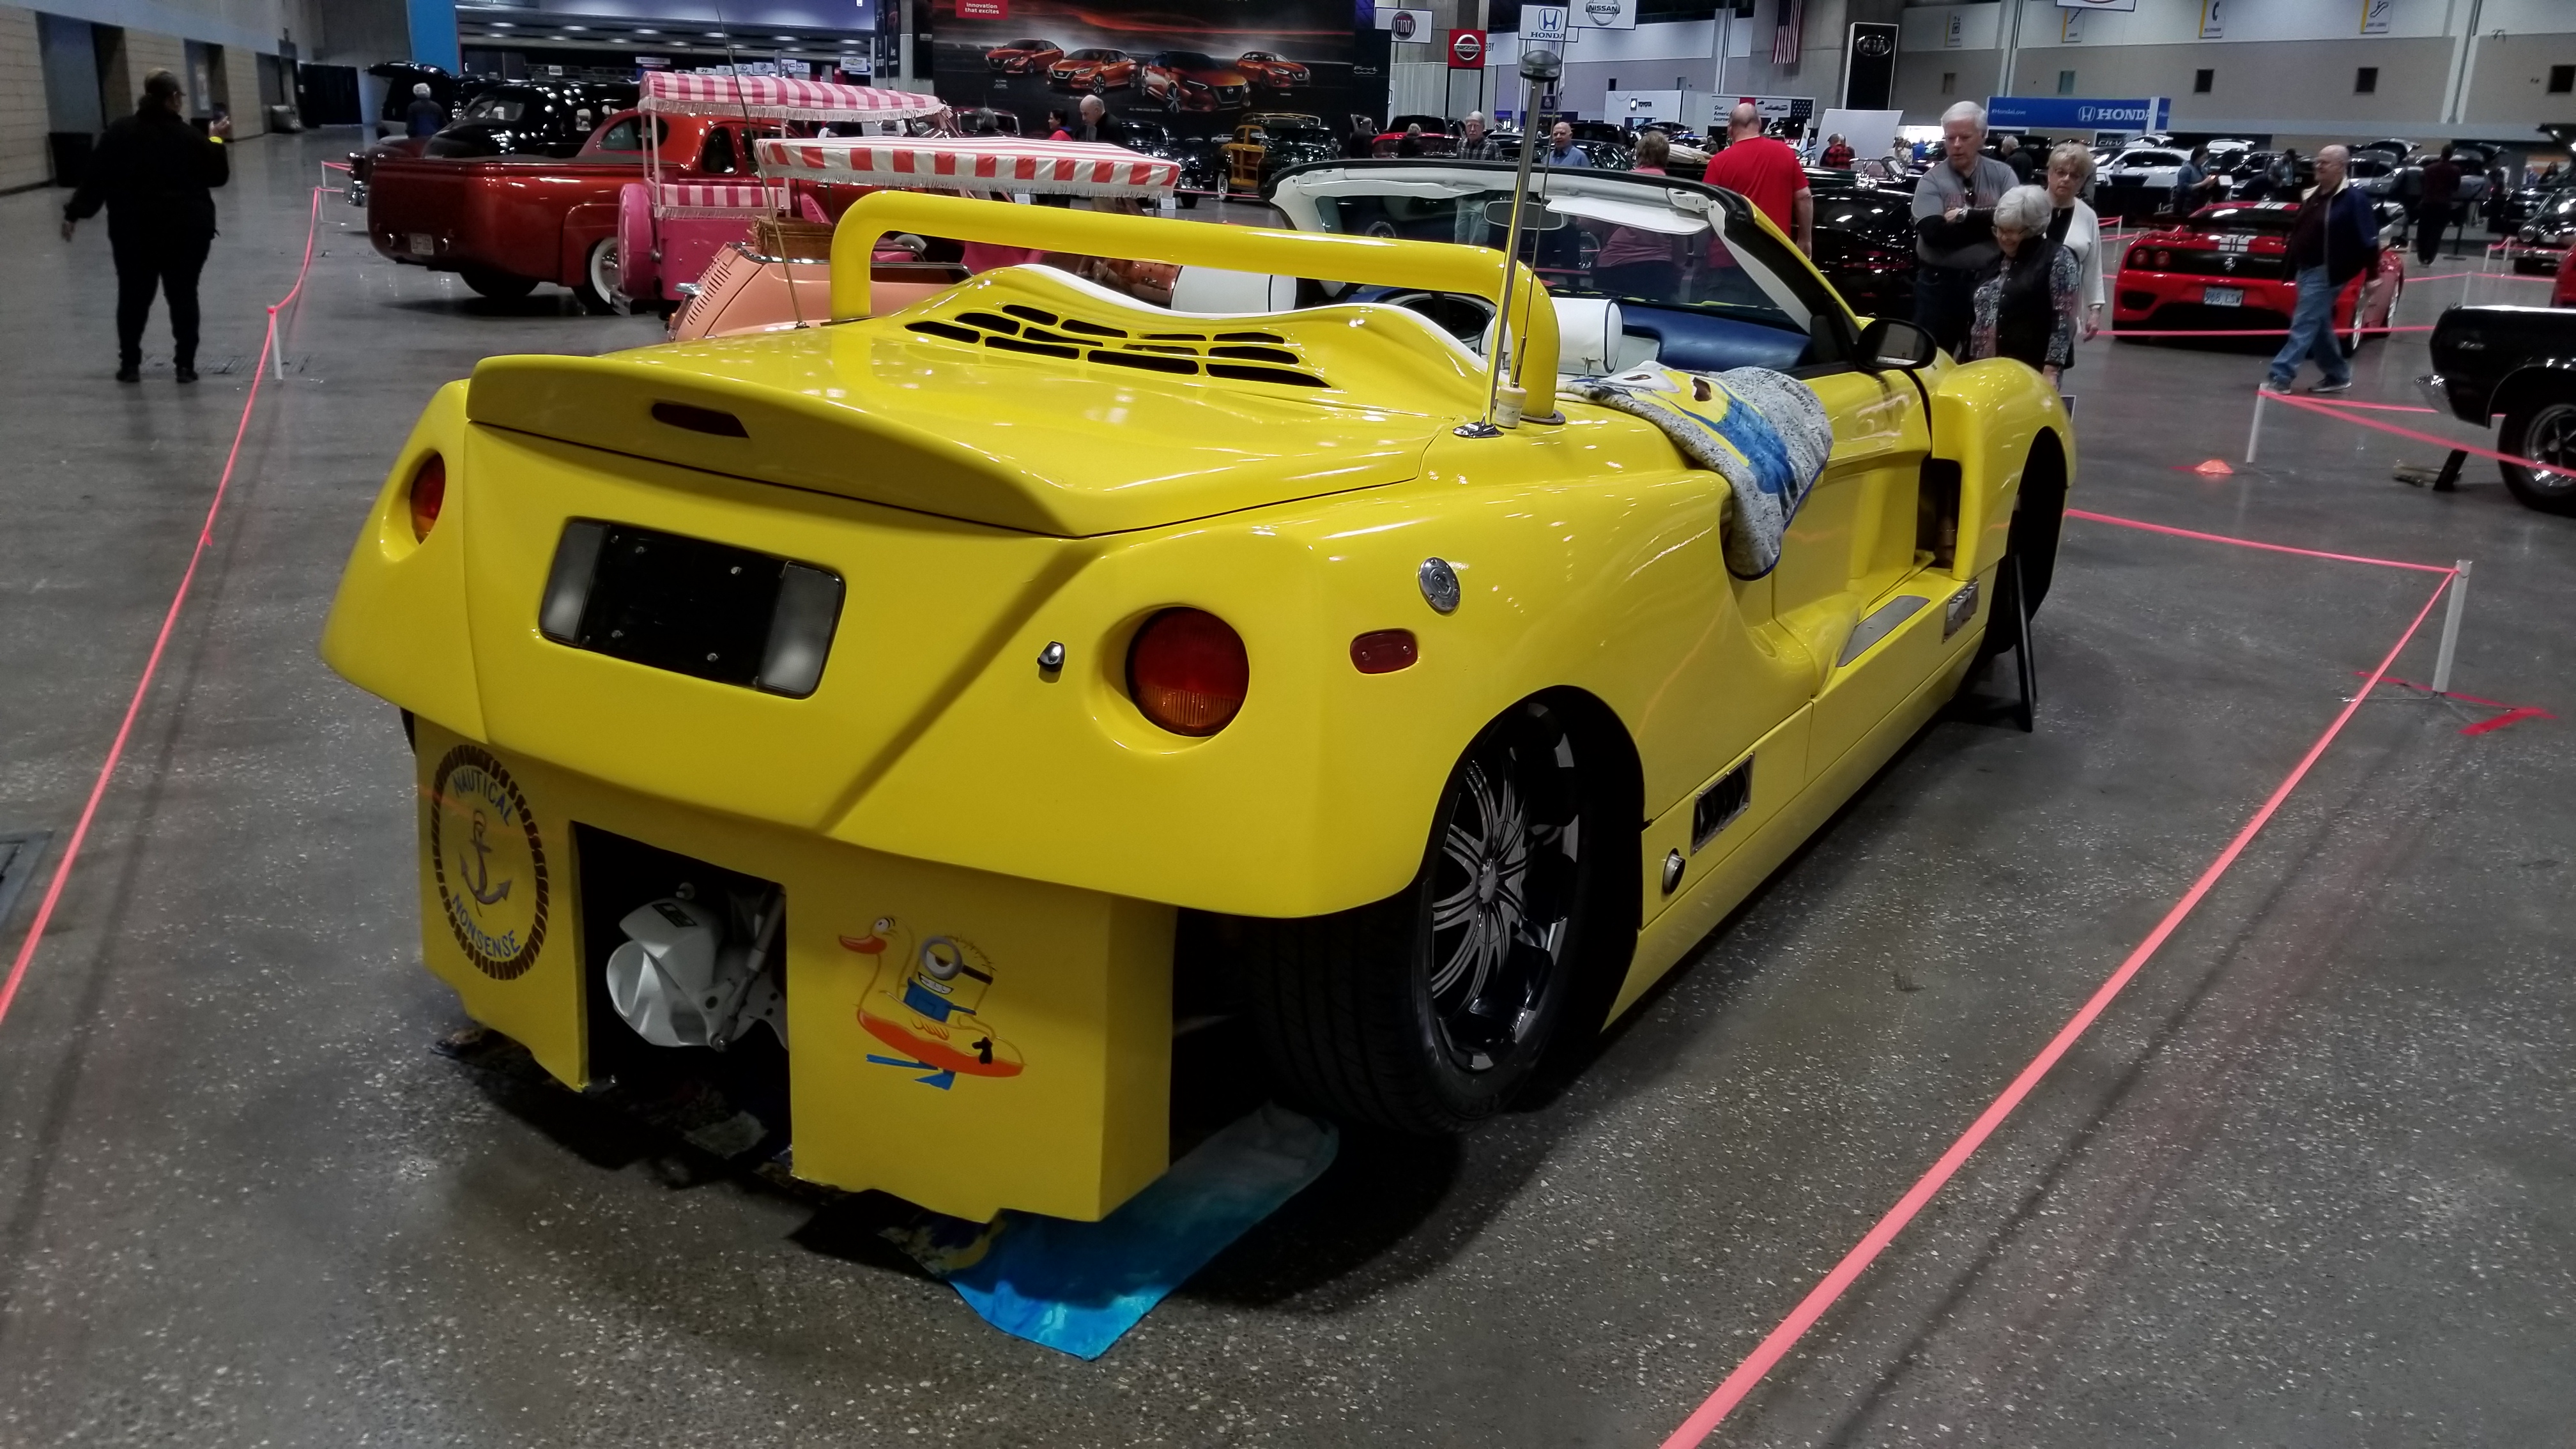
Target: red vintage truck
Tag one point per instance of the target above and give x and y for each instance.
(506, 223)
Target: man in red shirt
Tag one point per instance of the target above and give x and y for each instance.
(1765, 172)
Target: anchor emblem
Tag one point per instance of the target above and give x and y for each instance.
(481, 887)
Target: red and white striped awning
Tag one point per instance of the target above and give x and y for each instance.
(716, 198)
(993, 163)
(773, 98)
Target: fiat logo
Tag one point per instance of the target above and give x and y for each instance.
(1403, 25)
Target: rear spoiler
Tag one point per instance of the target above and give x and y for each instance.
(1380, 261)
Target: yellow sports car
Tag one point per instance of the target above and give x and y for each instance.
(858, 708)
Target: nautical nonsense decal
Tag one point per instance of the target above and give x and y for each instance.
(927, 1002)
(488, 861)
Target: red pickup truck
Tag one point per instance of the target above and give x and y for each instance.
(506, 223)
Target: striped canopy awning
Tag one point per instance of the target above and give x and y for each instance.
(773, 98)
(716, 198)
(994, 163)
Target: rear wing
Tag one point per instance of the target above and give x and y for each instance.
(1378, 261)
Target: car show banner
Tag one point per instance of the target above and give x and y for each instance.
(1187, 71)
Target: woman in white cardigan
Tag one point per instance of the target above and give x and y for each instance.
(2070, 170)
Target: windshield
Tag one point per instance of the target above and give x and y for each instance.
(1093, 55)
(504, 108)
(1187, 60)
(2150, 158)
(1316, 135)
(1644, 244)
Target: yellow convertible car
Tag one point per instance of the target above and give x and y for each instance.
(861, 707)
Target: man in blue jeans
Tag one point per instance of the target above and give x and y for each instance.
(2334, 239)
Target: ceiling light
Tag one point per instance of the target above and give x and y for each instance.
(648, 32)
(576, 27)
(502, 25)
(715, 35)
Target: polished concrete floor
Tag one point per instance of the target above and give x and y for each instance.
(2309, 1182)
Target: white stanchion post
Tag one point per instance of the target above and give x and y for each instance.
(2451, 630)
(276, 348)
(2255, 437)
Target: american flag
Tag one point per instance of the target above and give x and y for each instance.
(1784, 41)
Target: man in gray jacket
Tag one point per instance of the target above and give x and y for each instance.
(1954, 207)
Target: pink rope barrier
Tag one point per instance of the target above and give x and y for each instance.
(160, 644)
(1775, 1346)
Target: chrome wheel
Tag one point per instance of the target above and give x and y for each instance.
(2544, 433)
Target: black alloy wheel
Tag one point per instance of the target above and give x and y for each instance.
(2039, 516)
(2543, 429)
(1426, 1011)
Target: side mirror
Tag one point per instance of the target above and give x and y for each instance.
(1888, 345)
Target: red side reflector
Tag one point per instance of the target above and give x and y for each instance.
(1384, 651)
(428, 494)
(1187, 671)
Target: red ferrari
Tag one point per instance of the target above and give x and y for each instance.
(2224, 268)
(1272, 71)
(1023, 57)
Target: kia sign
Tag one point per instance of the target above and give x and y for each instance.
(1466, 50)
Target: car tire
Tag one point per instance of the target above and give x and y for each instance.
(498, 285)
(1425, 1012)
(2039, 516)
(2541, 426)
(597, 288)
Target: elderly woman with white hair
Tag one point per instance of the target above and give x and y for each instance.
(2075, 227)
(2025, 302)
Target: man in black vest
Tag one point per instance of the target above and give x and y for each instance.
(153, 171)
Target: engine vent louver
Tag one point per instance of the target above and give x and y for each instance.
(1264, 357)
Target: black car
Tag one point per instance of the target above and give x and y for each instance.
(530, 118)
(1865, 246)
(1201, 165)
(2517, 364)
(2518, 207)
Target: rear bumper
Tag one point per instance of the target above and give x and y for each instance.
(1049, 1093)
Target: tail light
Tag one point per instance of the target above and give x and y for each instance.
(1187, 671)
(428, 494)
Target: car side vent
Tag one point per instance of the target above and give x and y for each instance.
(1718, 806)
(1264, 357)
(699, 420)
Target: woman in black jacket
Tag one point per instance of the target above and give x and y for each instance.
(2025, 302)
(152, 171)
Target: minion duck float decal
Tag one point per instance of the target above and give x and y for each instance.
(927, 1002)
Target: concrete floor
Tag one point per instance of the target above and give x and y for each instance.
(2307, 1183)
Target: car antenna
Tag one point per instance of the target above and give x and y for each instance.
(751, 157)
(1537, 66)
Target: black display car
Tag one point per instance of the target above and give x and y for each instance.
(1201, 165)
(517, 118)
(1865, 241)
(2517, 365)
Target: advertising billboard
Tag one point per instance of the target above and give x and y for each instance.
(1197, 67)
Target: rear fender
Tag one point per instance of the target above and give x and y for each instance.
(1985, 417)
